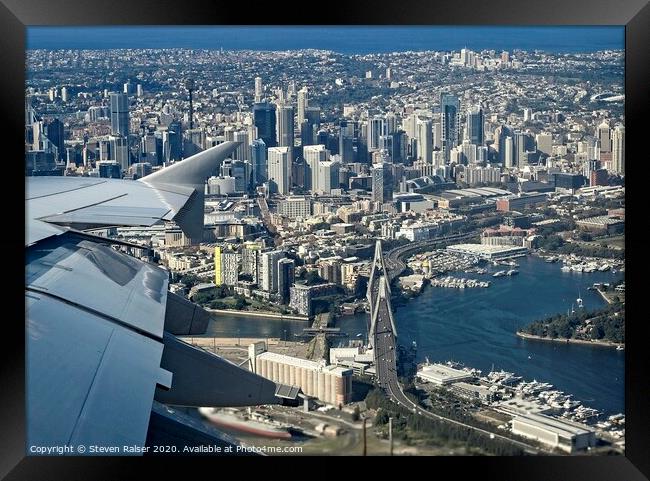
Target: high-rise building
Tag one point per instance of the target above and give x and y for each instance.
(120, 151)
(172, 140)
(238, 170)
(279, 165)
(314, 154)
(310, 125)
(269, 270)
(382, 182)
(437, 135)
(450, 122)
(230, 261)
(55, 133)
(303, 103)
(327, 176)
(258, 89)
(603, 133)
(544, 143)
(424, 138)
(259, 161)
(468, 152)
(520, 142)
(194, 141)
(475, 126)
(109, 169)
(397, 146)
(129, 88)
(508, 153)
(347, 140)
(500, 135)
(251, 253)
(284, 126)
(618, 150)
(264, 118)
(119, 114)
(376, 129)
(241, 152)
(286, 278)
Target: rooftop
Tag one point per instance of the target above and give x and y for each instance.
(304, 363)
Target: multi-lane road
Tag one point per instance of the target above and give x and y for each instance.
(385, 345)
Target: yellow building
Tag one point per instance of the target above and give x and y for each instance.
(217, 266)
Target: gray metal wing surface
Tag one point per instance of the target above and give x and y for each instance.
(101, 325)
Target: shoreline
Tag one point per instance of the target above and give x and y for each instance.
(525, 335)
(267, 315)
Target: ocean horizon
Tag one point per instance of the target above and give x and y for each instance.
(341, 39)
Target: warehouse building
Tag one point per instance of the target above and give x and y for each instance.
(330, 384)
(442, 375)
(565, 435)
(489, 252)
(602, 224)
(520, 202)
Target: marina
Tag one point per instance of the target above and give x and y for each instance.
(458, 283)
(509, 393)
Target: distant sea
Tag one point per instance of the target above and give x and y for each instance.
(343, 39)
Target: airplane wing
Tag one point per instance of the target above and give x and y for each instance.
(101, 325)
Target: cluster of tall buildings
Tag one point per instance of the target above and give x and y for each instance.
(286, 147)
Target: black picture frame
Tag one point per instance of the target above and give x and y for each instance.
(15, 15)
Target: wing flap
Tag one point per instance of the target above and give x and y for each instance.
(89, 380)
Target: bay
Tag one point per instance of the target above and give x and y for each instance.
(477, 327)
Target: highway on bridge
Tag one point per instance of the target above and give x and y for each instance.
(385, 346)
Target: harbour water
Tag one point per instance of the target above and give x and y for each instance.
(477, 327)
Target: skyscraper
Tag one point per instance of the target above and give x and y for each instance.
(544, 143)
(475, 125)
(376, 129)
(314, 154)
(382, 183)
(618, 150)
(603, 133)
(119, 113)
(284, 126)
(450, 120)
(173, 142)
(241, 153)
(500, 135)
(55, 133)
(424, 137)
(279, 167)
(258, 89)
(120, 151)
(309, 125)
(508, 152)
(520, 144)
(269, 270)
(258, 160)
(347, 139)
(327, 176)
(286, 277)
(303, 103)
(264, 118)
